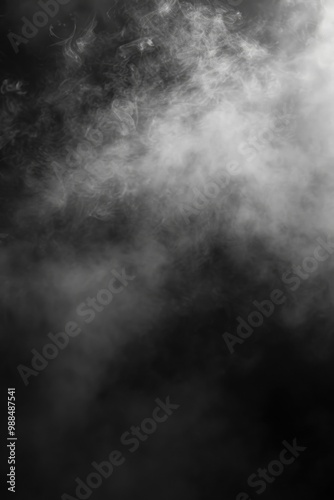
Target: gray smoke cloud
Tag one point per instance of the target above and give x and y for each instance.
(189, 91)
(193, 127)
(137, 158)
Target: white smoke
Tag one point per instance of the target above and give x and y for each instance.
(187, 91)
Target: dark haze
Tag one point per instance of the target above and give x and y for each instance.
(113, 121)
